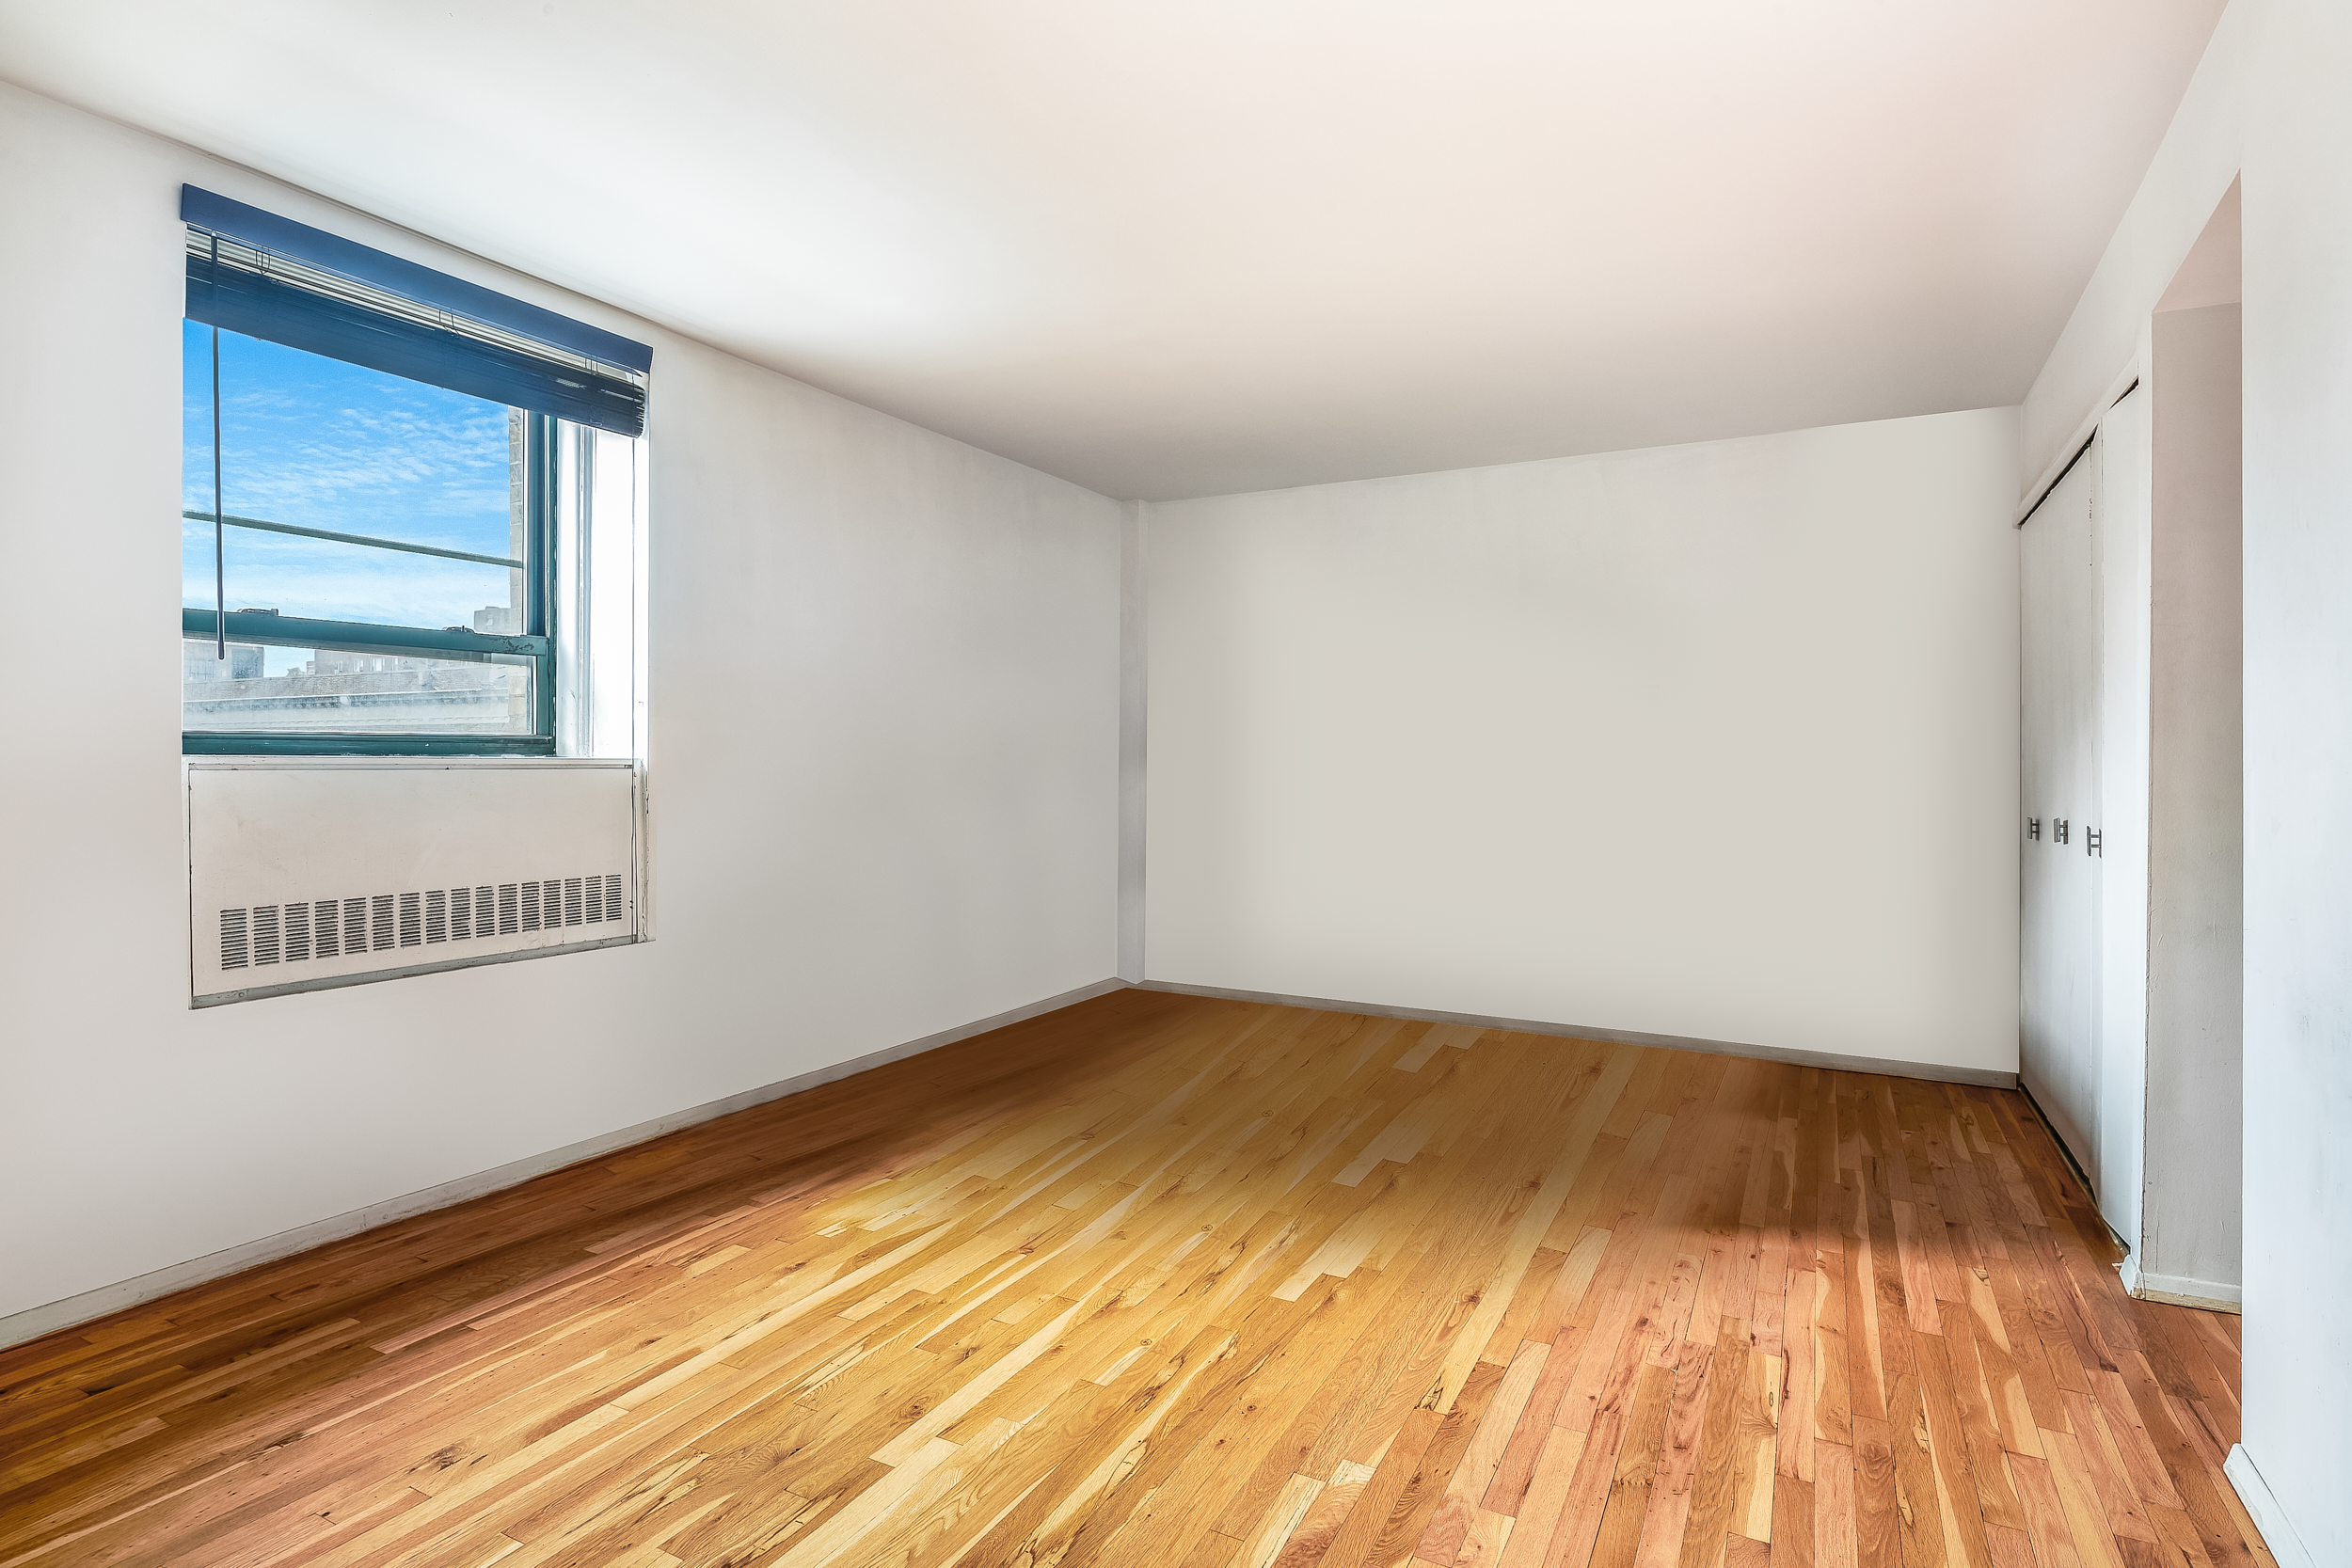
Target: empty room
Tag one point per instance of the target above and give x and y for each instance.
(1293, 786)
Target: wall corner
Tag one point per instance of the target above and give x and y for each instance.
(1134, 689)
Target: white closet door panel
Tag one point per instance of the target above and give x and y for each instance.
(2121, 814)
(2058, 927)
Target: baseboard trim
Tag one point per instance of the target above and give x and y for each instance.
(2268, 1516)
(1985, 1077)
(2210, 1295)
(34, 1322)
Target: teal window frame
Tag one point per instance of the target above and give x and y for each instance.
(541, 446)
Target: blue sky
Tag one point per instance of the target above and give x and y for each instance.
(314, 441)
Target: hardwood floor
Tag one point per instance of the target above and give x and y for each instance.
(1192, 1284)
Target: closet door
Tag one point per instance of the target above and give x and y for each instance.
(2059, 882)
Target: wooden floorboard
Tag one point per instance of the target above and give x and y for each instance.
(1189, 1283)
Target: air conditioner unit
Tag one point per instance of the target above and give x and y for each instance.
(310, 872)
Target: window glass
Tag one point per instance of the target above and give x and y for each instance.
(264, 690)
(315, 443)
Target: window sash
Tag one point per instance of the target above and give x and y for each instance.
(229, 743)
(369, 541)
(536, 642)
(359, 637)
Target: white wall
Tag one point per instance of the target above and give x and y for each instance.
(885, 710)
(2269, 100)
(1717, 742)
(2299, 762)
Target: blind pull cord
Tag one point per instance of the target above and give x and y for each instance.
(220, 563)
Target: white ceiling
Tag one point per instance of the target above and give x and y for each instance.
(1184, 248)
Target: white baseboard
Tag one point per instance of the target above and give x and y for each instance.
(34, 1322)
(2180, 1290)
(2269, 1518)
(1886, 1067)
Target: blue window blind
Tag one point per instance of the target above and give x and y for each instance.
(266, 277)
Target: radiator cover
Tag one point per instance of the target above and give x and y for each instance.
(311, 872)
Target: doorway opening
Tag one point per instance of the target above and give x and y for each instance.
(2132, 826)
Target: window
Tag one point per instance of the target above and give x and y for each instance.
(373, 456)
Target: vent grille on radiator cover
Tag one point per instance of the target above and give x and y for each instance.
(312, 928)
